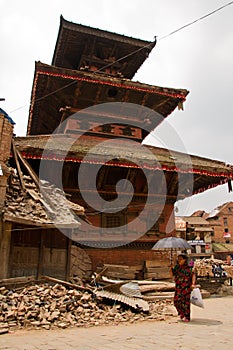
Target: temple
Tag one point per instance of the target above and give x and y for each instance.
(87, 112)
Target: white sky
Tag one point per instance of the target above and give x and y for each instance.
(198, 58)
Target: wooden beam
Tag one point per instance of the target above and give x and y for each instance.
(41, 256)
(28, 168)
(76, 93)
(63, 117)
(197, 178)
(100, 180)
(5, 248)
(15, 154)
(17, 280)
(24, 221)
(66, 284)
(138, 194)
(28, 222)
(68, 258)
(172, 183)
(98, 94)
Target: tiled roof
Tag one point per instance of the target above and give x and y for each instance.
(34, 208)
(222, 247)
(7, 116)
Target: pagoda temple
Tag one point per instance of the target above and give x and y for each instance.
(87, 112)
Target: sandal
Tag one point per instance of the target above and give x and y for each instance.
(185, 320)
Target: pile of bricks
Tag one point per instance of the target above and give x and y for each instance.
(46, 306)
(203, 267)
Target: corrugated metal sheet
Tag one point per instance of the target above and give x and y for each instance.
(125, 292)
(136, 303)
(131, 289)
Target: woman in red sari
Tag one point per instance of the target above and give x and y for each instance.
(185, 280)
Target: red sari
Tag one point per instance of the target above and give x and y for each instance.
(183, 279)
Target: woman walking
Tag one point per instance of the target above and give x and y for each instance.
(185, 280)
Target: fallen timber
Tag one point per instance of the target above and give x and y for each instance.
(66, 284)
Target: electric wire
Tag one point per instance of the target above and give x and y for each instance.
(197, 20)
(133, 52)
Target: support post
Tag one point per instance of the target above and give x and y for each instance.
(5, 243)
(41, 256)
(68, 257)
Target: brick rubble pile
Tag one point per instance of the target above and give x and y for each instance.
(203, 267)
(46, 306)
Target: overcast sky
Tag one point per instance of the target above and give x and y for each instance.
(198, 58)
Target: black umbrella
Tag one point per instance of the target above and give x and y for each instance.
(171, 243)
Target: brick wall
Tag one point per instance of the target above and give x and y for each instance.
(136, 256)
(129, 257)
(6, 132)
(223, 223)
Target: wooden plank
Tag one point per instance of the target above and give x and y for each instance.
(121, 271)
(158, 297)
(15, 154)
(25, 221)
(29, 169)
(158, 270)
(66, 284)
(157, 276)
(156, 288)
(123, 267)
(33, 194)
(123, 276)
(15, 280)
(156, 263)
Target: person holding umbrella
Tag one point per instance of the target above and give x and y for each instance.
(185, 280)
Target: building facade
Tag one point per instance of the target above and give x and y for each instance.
(198, 232)
(221, 220)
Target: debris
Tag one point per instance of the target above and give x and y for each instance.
(49, 306)
(123, 272)
(4, 330)
(66, 284)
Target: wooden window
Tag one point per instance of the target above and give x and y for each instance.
(127, 131)
(106, 128)
(114, 221)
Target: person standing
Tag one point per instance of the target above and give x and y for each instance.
(185, 280)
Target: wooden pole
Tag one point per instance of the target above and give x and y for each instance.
(5, 249)
(28, 167)
(68, 257)
(18, 166)
(66, 284)
(41, 256)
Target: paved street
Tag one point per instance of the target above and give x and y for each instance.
(210, 328)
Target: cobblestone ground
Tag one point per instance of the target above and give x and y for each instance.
(210, 328)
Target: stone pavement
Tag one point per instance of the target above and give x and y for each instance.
(210, 328)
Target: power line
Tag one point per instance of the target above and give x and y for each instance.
(197, 20)
(135, 51)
